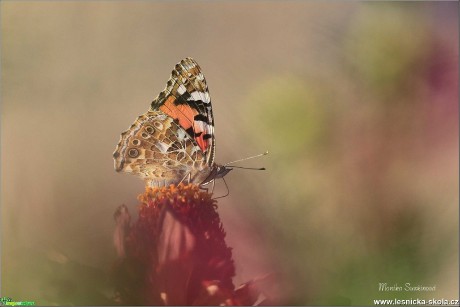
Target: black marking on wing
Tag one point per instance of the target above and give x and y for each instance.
(202, 118)
(190, 131)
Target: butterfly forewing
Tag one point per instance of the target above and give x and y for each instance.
(186, 98)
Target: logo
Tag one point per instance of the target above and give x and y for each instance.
(8, 301)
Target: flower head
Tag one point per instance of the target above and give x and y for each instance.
(175, 253)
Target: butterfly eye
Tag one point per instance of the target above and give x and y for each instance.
(133, 152)
(149, 129)
(158, 125)
(136, 142)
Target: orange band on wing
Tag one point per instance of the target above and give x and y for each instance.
(183, 113)
(186, 117)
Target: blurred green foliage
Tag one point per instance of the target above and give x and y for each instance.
(388, 48)
(341, 217)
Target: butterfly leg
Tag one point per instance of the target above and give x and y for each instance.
(213, 185)
(228, 191)
(204, 189)
(207, 189)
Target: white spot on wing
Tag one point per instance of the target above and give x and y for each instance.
(209, 129)
(181, 89)
(195, 149)
(162, 147)
(181, 134)
(200, 125)
(194, 96)
(158, 117)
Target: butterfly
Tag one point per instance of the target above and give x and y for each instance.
(173, 141)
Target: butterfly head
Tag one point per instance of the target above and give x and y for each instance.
(221, 170)
(217, 171)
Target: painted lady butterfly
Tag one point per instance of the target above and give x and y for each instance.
(174, 140)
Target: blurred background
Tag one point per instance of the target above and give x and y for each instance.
(357, 103)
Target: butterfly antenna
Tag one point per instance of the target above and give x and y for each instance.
(251, 168)
(244, 159)
(228, 191)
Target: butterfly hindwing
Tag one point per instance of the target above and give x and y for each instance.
(157, 149)
(186, 99)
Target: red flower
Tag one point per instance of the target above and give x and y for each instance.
(175, 254)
